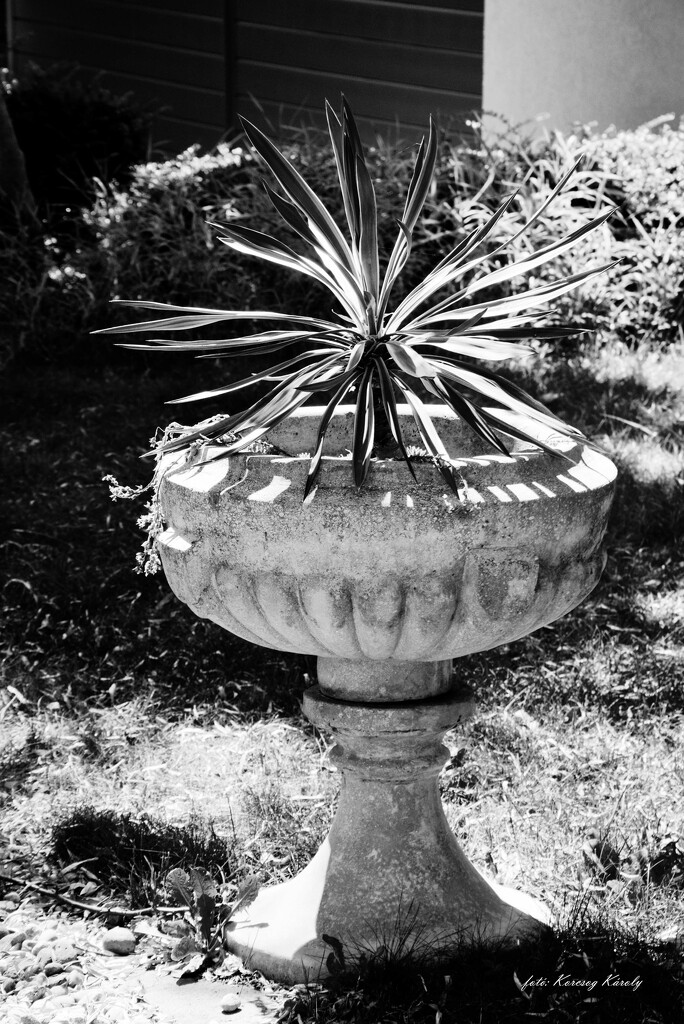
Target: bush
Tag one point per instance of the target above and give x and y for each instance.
(75, 136)
(159, 246)
(73, 131)
(149, 238)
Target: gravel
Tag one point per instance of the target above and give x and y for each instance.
(56, 970)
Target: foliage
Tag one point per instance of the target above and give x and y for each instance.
(208, 916)
(131, 853)
(73, 132)
(588, 971)
(76, 137)
(427, 344)
(149, 237)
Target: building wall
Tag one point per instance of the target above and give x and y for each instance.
(169, 52)
(615, 62)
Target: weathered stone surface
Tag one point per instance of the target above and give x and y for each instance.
(395, 571)
(386, 585)
(391, 865)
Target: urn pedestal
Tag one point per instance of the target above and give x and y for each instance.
(386, 585)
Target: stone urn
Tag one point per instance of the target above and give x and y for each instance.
(386, 585)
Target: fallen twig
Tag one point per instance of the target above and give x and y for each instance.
(92, 907)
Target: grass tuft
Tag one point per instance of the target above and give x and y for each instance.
(131, 855)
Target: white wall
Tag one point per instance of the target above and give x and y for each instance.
(616, 62)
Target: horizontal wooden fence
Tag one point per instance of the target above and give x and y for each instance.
(205, 61)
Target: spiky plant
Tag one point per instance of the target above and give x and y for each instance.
(426, 344)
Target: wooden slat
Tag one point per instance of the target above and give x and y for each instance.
(359, 58)
(131, 58)
(386, 22)
(182, 31)
(456, 6)
(198, 106)
(281, 119)
(209, 8)
(172, 135)
(295, 87)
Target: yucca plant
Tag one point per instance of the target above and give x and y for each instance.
(435, 341)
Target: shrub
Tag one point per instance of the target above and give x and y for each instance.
(73, 131)
(75, 135)
(158, 244)
(149, 238)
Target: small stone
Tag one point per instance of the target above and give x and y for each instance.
(8, 985)
(54, 967)
(45, 955)
(63, 951)
(117, 1013)
(30, 968)
(74, 979)
(17, 939)
(33, 993)
(119, 940)
(230, 1003)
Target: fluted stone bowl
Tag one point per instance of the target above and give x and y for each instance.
(398, 571)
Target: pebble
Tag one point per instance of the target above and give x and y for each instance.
(44, 955)
(119, 940)
(63, 951)
(48, 974)
(230, 1003)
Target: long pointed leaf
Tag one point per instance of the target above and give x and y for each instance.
(333, 402)
(335, 131)
(334, 274)
(254, 378)
(431, 438)
(535, 259)
(479, 348)
(514, 303)
(368, 236)
(522, 396)
(445, 271)
(409, 360)
(186, 323)
(299, 192)
(364, 427)
(390, 406)
(467, 411)
(483, 385)
(522, 435)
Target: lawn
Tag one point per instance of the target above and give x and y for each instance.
(136, 739)
(139, 738)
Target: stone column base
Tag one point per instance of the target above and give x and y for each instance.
(390, 871)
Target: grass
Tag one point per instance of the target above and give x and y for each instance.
(173, 743)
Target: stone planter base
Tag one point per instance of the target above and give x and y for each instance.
(390, 871)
